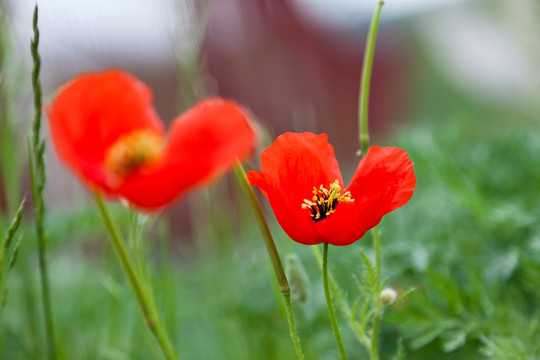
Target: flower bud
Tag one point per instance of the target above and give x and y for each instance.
(388, 296)
(297, 277)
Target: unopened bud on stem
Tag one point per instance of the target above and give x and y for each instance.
(298, 278)
(388, 296)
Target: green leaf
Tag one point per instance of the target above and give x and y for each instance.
(501, 267)
(453, 340)
(429, 335)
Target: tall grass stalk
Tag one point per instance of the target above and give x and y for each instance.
(9, 253)
(38, 179)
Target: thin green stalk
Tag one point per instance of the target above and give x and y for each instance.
(292, 325)
(261, 221)
(145, 302)
(331, 310)
(363, 103)
(38, 179)
(374, 349)
(377, 316)
(7, 240)
(339, 296)
(9, 253)
(273, 253)
(377, 249)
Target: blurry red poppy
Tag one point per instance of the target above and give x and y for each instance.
(105, 129)
(301, 179)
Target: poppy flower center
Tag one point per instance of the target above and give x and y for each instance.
(133, 151)
(324, 201)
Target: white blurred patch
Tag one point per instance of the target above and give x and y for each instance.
(346, 14)
(89, 35)
(486, 56)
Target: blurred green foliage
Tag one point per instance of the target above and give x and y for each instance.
(10, 126)
(474, 254)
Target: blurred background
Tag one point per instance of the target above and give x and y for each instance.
(294, 63)
(455, 82)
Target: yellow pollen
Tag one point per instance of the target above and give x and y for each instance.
(133, 151)
(324, 201)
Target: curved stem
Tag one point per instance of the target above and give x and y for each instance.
(331, 311)
(145, 302)
(284, 287)
(365, 82)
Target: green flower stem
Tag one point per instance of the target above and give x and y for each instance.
(38, 179)
(273, 253)
(145, 302)
(341, 301)
(374, 349)
(292, 325)
(363, 103)
(267, 235)
(377, 249)
(331, 311)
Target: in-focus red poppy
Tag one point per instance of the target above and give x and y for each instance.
(105, 129)
(301, 179)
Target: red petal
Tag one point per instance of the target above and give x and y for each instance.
(291, 167)
(383, 181)
(203, 143)
(91, 112)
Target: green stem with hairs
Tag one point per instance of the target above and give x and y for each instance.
(330, 305)
(363, 103)
(284, 287)
(144, 300)
(292, 326)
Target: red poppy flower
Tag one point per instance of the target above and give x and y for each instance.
(105, 129)
(301, 179)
